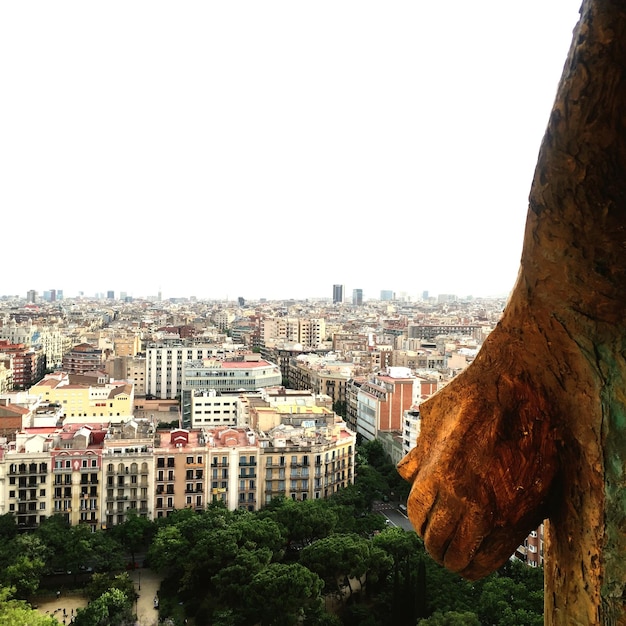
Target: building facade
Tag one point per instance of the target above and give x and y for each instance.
(165, 362)
(382, 401)
(86, 400)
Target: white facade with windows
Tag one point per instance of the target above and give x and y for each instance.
(165, 363)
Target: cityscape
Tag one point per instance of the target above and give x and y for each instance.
(113, 407)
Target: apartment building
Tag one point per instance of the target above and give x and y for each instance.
(306, 332)
(304, 461)
(95, 474)
(76, 461)
(54, 343)
(382, 401)
(323, 376)
(129, 368)
(165, 362)
(27, 487)
(14, 332)
(28, 364)
(210, 387)
(531, 551)
(12, 418)
(6, 375)
(209, 408)
(128, 471)
(127, 344)
(245, 373)
(432, 330)
(233, 465)
(83, 358)
(85, 398)
(48, 471)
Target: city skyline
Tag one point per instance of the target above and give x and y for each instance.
(271, 150)
(55, 295)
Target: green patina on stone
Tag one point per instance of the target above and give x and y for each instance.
(614, 450)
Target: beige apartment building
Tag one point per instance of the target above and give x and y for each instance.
(310, 333)
(87, 398)
(131, 369)
(95, 474)
(128, 471)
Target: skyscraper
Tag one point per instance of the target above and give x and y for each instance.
(337, 293)
(357, 297)
(386, 295)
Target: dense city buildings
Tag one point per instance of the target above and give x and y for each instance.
(110, 406)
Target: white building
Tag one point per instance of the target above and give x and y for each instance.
(165, 362)
(210, 388)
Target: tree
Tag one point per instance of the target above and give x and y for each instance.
(450, 618)
(8, 526)
(281, 595)
(101, 583)
(373, 453)
(168, 549)
(78, 552)
(23, 564)
(231, 582)
(112, 608)
(55, 534)
(19, 613)
(505, 602)
(106, 552)
(134, 533)
(336, 560)
(303, 521)
(371, 484)
(340, 407)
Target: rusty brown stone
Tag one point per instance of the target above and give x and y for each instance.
(535, 428)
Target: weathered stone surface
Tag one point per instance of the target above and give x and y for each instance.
(536, 427)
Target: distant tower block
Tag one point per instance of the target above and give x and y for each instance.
(338, 294)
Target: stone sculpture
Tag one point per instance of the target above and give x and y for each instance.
(535, 427)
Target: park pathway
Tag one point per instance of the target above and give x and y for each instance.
(146, 582)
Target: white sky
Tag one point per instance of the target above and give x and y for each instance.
(271, 149)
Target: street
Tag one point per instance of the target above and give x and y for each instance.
(397, 518)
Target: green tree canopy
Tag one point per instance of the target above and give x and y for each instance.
(337, 559)
(112, 608)
(19, 613)
(281, 595)
(303, 522)
(134, 534)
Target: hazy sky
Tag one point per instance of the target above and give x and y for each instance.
(271, 149)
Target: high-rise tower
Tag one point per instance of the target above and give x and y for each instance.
(337, 293)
